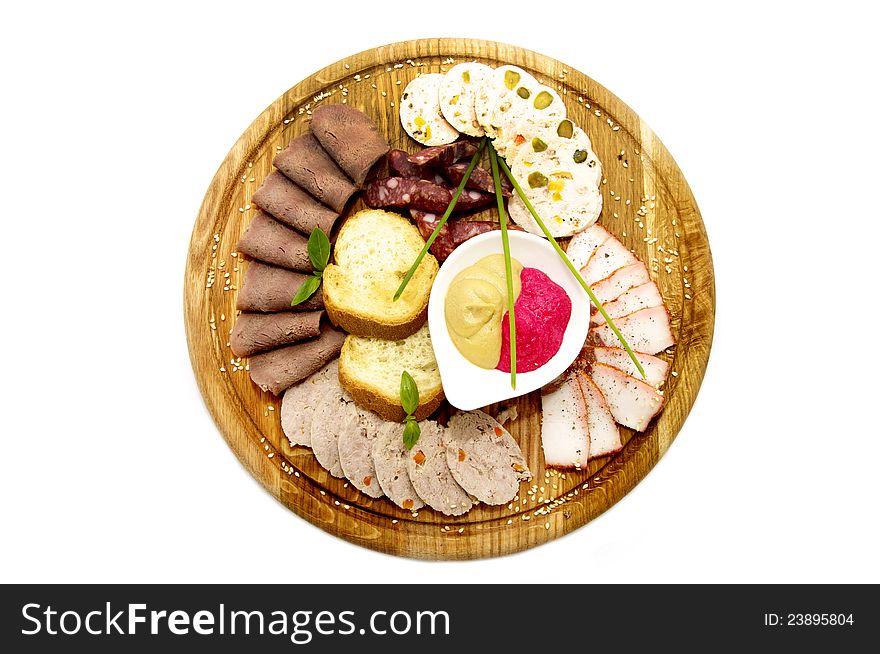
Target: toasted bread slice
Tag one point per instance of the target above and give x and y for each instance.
(370, 369)
(374, 250)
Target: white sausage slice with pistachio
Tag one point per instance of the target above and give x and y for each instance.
(420, 112)
(560, 177)
(537, 113)
(458, 95)
(496, 97)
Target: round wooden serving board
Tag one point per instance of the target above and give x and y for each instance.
(647, 204)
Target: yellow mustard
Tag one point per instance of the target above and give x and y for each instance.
(475, 304)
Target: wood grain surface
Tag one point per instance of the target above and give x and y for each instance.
(647, 204)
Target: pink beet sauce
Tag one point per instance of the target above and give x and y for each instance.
(542, 311)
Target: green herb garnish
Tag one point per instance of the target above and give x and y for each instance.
(449, 209)
(319, 255)
(508, 272)
(593, 298)
(409, 400)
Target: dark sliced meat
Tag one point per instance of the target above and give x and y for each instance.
(420, 194)
(399, 162)
(277, 370)
(287, 202)
(454, 232)
(268, 240)
(258, 332)
(480, 179)
(270, 288)
(440, 156)
(307, 164)
(350, 137)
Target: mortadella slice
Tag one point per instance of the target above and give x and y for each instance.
(268, 240)
(350, 137)
(287, 202)
(277, 370)
(270, 288)
(258, 332)
(307, 164)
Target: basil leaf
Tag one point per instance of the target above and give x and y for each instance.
(319, 249)
(409, 393)
(306, 291)
(411, 432)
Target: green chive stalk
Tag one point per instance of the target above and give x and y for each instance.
(505, 243)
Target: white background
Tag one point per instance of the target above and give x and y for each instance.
(114, 121)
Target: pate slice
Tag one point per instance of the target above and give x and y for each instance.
(420, 112)
(389, 459)
(458, 95)
(484, 459)
(430, 474)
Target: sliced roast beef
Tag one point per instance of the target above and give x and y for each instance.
(258, 332)
(291, 205)
(350, 137)
(279, 369)
(270, 288)
(307, 164)
(268, 240)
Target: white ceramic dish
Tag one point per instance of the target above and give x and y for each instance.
(469, 387)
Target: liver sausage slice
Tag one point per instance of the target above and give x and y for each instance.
(258, 332)
(307, 164)
(389, 460)
(483, 458)
(430, 475)
(298, 405)
(291, 205)
(277, 370)
(355, 453)
(350, 137)
(268, 240)
(335, 414)
(270, 288)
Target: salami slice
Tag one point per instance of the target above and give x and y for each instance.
(452, 234)
(444, 155)
(420, 194)
(480, 179)
(399, 162)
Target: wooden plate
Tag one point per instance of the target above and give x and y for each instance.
(647, 203)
